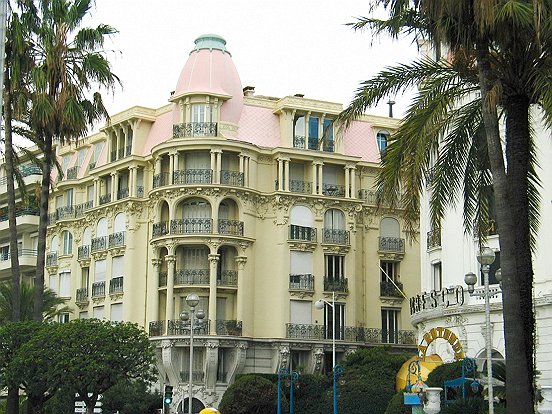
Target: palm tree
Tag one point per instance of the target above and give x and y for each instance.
(70, 63)
(500, 53)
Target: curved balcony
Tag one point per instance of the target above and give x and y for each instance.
(191, 277)
(335, 236)
(193, 176)
(227, 278)
(336, 285)
(232, 227)
(192, 226)
(197, 226)
(234, 178)
(160, 180)
(195, 129)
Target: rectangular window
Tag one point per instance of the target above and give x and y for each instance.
(98, 312)
(83, 315)
(65, 284)
(339, 321)
(90, 193)
(69, 197)
(85, 277)
(97, 151)
(313, 127)
(334, 267)
(223, 364)
(389, 326)
(117, 267)
(300, 312)
(81, 155)
(53, 284)
(99, 270)
(117, 312)
(388, 271)
(67, 243)
(437, 276)
(63, 318)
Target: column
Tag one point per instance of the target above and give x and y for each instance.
(241, 158)
(320, 178)
(118, 132)
(213, 264)
(169, 308)
(347, 181)
(114, 184)
(246, 172)
(307, 120)
(171, 168)
(241, 294)
(353, 182)
(218, 166)
(96, 192)
(176, 162)
(314, 178)
(280, 174)
(157, 168)
(213, 160)
(286, 175)
(132, 179)
(153, 312)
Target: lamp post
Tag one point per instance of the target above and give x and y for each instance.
(319, 304)
(486, 257)
(192, 300)
(293, 377)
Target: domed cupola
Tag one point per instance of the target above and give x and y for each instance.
(208, 94)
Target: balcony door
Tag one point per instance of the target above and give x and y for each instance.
(339, 321)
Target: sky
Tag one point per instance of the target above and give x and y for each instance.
(280, 47)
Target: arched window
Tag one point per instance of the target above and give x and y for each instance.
(54, 245)
(196, 208)
(87, 237)
(101, 227)
(389, 227)
(119, 223)
(382, 138)
(67, 242)
(334, 219)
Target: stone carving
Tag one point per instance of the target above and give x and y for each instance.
(318, 358)
(284, 356)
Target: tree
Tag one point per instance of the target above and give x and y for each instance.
(69, 63)
(250, 394)
(131, 397)
(500, 59)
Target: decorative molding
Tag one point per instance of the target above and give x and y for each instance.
(302, 245)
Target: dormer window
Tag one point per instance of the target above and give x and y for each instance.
(382, 138)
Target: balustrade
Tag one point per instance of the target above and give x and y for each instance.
(98, 289)
(229, 327)
(335, 236)
(391, 244)
(336, 285)
(302, 233)
(116, 285)
(82, 295)
(234, 178)
(227, 278)
(104, 199)
(193, 176)
(98, 244)
(83, 252)
(117, 239)
(191, 277)
(191, 226)
(160, 180)
(233, 227)
(195, 129)
(301, 282)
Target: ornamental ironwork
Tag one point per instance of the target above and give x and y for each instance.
(160, 229)
(117, 239)
(104, 199)
(82, 295)
(313, 143)
(122, 193)
(52, 259)
(83, 252)
(116, 285)
(232, 227)
(66, 212)
(336, 236)
(391, 244)
(160, 180)
(72, 173)
(229, 327)
(180, 327)
(81, 208)
(195, 129)
(191, 277)
(156, 328)
(333, 190)
(298, 186)
(298, 141)
(98, 289)
(234, 178)
(193, 176)
(389, 289)
(434, 238)
(98, 244)
(227, 278)
(336, 285)
(140, 191)
(191, 226)
(302, 233)
(301, 282)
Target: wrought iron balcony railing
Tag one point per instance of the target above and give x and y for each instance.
(193, 176)
(313, 143)
(298, 141)
(72, 172)
(51, 259)
(20, 252)
(391, 244)
(67, 212)
(21, 211)
(229, 327)
(227, 278)
(350, 334)
(140, 191)
(83, 252)
(81, 208)
(180, 327)
(163, 279)
(195, 129)
(234, 178)
(335, 236)
(104, 199)
(298, 186)
(98, 289)
(302, 233)
(116, 285)
(301, 282)
(333, 190)
(434, 238)
(82, 295)
(191, 277)
(191, 226)
(232, 227)
(25, 172)
(160, 180)
(122, 193)
(98, 244)
(336, 285)
(388, 289)
(328, 146)
(117, 239)
(156, 328)
(160, 229)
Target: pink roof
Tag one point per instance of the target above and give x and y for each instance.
(259, 126)
(160, 131)
(360, 141)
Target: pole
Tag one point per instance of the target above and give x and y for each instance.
(488, 338)
(190, 383)
(333, 355)
(279, 392)
(291, 392)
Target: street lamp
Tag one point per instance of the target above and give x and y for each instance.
(486, 257)
(192, 300)
(337, 370)
(293, 377)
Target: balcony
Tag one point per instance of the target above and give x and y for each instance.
(98, 244)
(160, 180)
(434, 239)
(301, 282)
(192, 226)
(195, 129)
(72, 172)
(229, 327)
(298, 186)
(298, 141)
(81, 208)
(179, 327)
(302, 233)
(4, 256)
(160, 229)
(227, 278)
(116, 239)
(52, 259)
(122, 193)
(388, 289)
(156, 328)
(116, 285)
(21, 211)
(82, 295)
(333, 190)
(335, 236)
(104, 199)
(336, 285)
(98, 289)
(25, 172)
(350, 334)
(191, 277)
(193, 176)
(313, 143)
(233, 178)
(197, 377)
(64, 213)
(163, 279)
(83, 252)
(391, 245)
(231, 227)
(140, 191)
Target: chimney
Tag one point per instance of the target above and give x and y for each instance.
(249, 91)
(299, 95)
(391, 103)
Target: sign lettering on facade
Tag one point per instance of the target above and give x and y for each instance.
(446, 297)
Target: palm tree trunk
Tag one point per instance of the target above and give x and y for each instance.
(42, 227)
(14, 254)
(510, 189)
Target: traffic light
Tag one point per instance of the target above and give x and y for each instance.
(167, 399)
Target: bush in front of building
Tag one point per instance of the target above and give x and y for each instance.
(396, 405)
(250, 394)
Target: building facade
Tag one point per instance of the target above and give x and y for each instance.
(259, 205)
